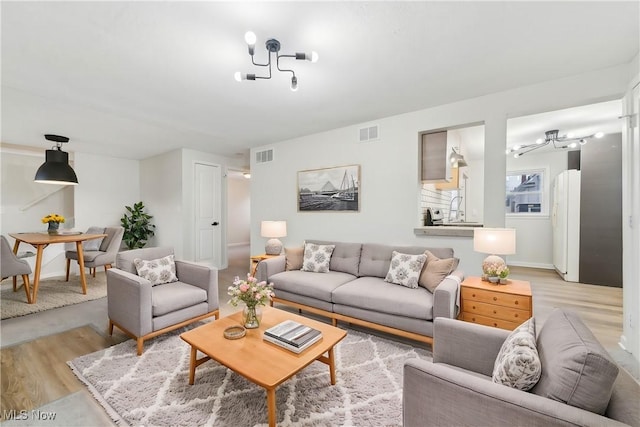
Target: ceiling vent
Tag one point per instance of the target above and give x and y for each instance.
(264, 156)
(371, 133)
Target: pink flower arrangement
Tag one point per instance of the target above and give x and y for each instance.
(250, 291)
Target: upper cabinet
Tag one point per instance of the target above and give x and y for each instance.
(434, 157)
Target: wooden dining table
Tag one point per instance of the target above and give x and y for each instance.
(41, 240)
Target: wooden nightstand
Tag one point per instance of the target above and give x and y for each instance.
(501, 306)
(255, 260)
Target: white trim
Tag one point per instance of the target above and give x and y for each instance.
(531, 265)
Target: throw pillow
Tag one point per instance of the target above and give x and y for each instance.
(405, 269)
(157, 271)
(317, 257)
(436, 270)
(94, 244)
(518, 364)
(293, 258)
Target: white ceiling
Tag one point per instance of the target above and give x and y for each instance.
(134, 79)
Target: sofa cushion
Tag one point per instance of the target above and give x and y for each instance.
(576, 369)
(319, 286)
(174, 296)
(435, 270)
(518, 364)
(405, 269)
(317, 257)
(376, 258)
(345, 256)
(157, 271)
(293, 258)
(374, 294)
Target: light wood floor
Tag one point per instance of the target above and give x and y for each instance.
(35, 373)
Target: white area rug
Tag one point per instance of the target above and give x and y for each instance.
(52, 293)
(154, 390)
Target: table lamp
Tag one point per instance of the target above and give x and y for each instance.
(273, 230)
(494, 241)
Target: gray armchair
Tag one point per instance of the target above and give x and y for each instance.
(456, 388)
(104, 256)
(12, 266)
(144, 311)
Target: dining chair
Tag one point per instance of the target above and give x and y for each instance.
(102, 254)
(12, 266)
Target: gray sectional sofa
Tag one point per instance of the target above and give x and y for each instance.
(354, 290)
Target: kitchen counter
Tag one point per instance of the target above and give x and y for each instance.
(447, 230)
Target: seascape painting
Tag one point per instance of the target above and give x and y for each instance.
(330, 189)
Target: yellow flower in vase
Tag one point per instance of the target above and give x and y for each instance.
(54, 221)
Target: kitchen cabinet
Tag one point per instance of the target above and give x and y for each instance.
(434, 157)
(454, 182)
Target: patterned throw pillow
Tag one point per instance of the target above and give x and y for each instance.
(405, 269)
(157, 271)
(518, 364)
(317, 257)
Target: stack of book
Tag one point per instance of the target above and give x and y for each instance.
(292, 335)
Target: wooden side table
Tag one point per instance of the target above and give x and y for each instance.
(500, 306)
(255, 260)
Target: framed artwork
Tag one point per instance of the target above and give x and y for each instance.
(329, 189)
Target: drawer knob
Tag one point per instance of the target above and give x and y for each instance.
(516, 315)
(474, 307)
(473, 295)
(473, 318)
(516, 303)
(495, 312)
(495, 298)
(495, 324)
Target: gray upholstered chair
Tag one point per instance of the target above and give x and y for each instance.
(104, 255)
(144, 311)
(580, 384)
(12, 266)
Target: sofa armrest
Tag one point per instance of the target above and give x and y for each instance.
(129, 301)
(438, 395)
(269, 267)
(446, 299)
(202, 276)
(467, 345)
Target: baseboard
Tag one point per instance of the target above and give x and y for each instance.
(531, 265)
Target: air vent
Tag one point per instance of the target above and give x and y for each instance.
(368, 134)
(264, 156)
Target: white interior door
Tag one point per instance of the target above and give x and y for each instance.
(559, 223)
(207, 213)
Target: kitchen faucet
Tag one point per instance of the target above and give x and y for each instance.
(457, 216)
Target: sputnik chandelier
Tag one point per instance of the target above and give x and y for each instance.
(273, 47)
(551, 136)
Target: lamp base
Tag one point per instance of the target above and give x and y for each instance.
(273, 247)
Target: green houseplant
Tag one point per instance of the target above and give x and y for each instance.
(137, 226)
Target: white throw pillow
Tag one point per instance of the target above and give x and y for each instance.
(518, 363)
(157, 271)
(317, 257)
(405, 269)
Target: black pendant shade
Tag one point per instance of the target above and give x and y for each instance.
(56, 169)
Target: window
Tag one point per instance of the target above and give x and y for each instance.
(526, 193)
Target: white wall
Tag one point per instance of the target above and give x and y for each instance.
(238, 210)
(534, 237)
(107, 185)
(389, 175)
(161, 193)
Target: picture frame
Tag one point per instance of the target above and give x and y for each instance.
(334, 189)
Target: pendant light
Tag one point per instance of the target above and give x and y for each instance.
(56, 169)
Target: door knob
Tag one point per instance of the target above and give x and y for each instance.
(215, 223)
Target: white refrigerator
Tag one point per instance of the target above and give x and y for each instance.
(565, 220)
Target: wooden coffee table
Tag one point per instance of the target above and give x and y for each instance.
(261, 362)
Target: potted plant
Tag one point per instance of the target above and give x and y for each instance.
(137, 226)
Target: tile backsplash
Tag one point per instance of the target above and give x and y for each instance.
(432, 198)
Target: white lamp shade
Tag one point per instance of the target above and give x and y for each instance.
(273, 229)
(498, 241)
